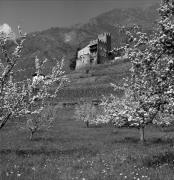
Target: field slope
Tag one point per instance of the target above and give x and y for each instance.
(95, 82)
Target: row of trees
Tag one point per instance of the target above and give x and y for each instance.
(30, 98)
(149, 92)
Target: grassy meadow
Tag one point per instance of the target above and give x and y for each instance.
(69, 150)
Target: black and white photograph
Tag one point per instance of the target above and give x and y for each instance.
(86, 89)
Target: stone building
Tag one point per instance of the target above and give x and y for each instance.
(96, 52)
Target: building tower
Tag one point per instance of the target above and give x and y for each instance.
(104, 47)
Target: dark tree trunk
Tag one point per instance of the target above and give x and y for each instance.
(31, 135)
(87, 124)
(4, 121)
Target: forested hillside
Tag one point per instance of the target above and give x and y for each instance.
(56, 42)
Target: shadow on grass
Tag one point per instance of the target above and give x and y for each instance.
(48, 139)
(104, 125)
(160, 141)
(168, 129)
(159, 159)
(81, 151)
(150, 141)
(126, 140)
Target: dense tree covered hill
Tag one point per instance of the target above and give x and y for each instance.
(55, 42)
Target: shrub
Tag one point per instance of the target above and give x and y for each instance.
(43, 121)
(85, 112)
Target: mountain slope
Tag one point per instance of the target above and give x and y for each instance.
(55, 42)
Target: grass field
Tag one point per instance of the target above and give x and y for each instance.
(71, 151)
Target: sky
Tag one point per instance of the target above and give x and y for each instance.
(37, 15)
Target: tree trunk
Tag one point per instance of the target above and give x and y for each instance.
(142, 139)
(31, 135)
(4, 121)
(87, 124)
